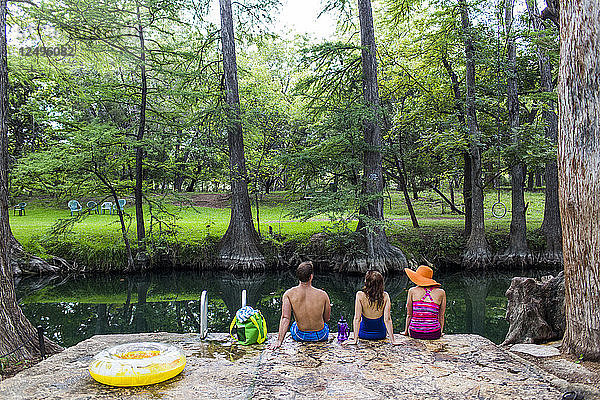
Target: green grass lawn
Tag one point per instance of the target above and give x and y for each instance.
(195, 224)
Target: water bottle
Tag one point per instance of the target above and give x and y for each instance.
(343, 330)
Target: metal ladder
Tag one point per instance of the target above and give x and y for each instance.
(204, 312)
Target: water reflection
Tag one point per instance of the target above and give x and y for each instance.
(75, 308)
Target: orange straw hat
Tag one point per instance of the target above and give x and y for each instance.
(422, 276)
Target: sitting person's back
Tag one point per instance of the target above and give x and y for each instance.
(372, 311)
(425, 305)
(310, 306)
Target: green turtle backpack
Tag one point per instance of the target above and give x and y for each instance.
(250, 326)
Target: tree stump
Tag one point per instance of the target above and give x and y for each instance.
(535, 309)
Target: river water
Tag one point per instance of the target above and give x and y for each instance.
(72, 309)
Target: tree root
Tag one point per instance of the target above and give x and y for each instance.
(551, 258)
(243, 263)
(478, 258)
(387, 260)
(515, 259)
(26, 264)
(241, 255)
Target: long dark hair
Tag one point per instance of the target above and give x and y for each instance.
(373, 288)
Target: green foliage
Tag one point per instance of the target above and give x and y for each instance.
(103, 254)
(341, 239)
(84, 160)
(433, 244)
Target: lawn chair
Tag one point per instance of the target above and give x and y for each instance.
(118, 207)
(74, 206)
(20, 208)
(107, 205)
(92, 206)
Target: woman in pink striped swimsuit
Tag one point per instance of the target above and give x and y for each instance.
(425, 305)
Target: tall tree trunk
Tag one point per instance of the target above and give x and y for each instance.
(468, 193)
(191, 185)
(460, 113)
(403, 185)
(578, 172)
(380, 255)
(530, 180)
(17, 336)
(239, 247)
(178, 182)
(139, 150)
(477, 252)
(257, 213)
(402, 176)
(551, 227)
(518, 251)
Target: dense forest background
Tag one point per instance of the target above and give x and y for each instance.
(130, 100)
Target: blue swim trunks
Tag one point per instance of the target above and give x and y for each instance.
(311, 336)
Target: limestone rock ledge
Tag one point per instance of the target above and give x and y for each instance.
(460, 367)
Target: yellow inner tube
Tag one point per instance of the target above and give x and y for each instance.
(137, 364)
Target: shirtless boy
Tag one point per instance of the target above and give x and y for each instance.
(311, 308)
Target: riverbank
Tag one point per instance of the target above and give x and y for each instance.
(187, 235)
(454, 367)
(330, 250)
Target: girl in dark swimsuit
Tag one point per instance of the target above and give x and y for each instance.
(372, 311)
